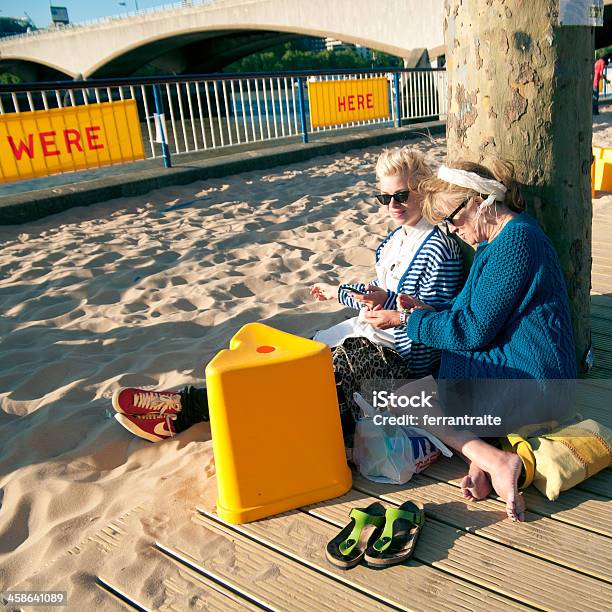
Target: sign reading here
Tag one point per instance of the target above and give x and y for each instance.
(346, 101)
(40, 143)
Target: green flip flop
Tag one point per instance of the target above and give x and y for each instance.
(348, 548)
(398, 539)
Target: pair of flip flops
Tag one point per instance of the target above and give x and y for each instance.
(377, 536)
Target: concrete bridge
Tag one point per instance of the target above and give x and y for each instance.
(206, 36)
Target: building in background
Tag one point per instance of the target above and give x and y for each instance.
(331, 44)
(312, 43)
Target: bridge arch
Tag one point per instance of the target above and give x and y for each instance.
(32, 71)
(187, 53)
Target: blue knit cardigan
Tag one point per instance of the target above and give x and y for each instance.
(435, 276)
(512, 318)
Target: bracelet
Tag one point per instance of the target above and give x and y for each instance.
(404, 316)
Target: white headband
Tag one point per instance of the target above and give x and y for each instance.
(471, 180)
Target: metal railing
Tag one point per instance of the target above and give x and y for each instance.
(193, 113)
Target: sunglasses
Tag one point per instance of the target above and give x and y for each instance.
(400, 196)
(448, 220)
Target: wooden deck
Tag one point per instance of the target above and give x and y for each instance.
(468, 557)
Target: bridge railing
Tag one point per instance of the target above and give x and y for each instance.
(101, 21)
(194, 113)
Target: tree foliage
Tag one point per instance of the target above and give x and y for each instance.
(6, 78)
(604, 52)
(290, 56)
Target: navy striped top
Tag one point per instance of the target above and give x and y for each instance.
(435, 276)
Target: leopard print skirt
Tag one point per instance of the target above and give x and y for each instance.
(362, 366)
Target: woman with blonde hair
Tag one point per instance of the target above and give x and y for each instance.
(512, 318)
(415, 258)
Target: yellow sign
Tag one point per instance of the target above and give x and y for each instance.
(346, 101)
(44, 142)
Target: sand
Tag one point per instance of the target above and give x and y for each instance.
(144, 291)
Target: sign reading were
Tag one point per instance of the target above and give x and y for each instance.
(349, 100)
(45, 142)
(581, 12)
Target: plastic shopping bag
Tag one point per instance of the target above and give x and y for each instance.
(392, 453)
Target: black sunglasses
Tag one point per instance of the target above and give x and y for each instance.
(400, 196)
(448, 220)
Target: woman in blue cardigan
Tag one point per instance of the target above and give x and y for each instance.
(510, 321)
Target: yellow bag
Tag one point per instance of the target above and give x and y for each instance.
(570, 455)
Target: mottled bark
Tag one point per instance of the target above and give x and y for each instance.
(519, 88)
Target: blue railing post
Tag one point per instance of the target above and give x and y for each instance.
(396, 93)
(160, 121)
(302, 109)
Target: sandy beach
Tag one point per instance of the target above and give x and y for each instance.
(143, 292)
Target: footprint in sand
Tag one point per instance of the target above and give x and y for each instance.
(241, 291)
(184, 305)
(154, 525)
(105, 297)
(102, 259)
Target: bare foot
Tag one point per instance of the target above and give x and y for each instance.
(504, 476)
(476, 484)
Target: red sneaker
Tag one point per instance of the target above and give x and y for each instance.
(152, 427)
(142, 401)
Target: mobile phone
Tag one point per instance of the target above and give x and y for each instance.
(353, 290)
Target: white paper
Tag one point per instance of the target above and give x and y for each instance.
(581, 12)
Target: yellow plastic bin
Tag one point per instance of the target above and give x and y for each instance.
(275, 424)
(602, 174)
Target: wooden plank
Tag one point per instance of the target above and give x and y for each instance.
(262, 575)
(575, 507)
(602, 266)
(601, 280)
(603, 360)
(514, 574)
(413, 585)
(599, 372)
(599, 484)
(590, 405)
(602, 332)
(601, 283)
(604, 385)
(601, 276)
(564, 544)
(603, 312)
(602, 300)
(597, 413)
(117, 598)
(171, 585)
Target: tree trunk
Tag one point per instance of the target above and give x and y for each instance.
(519, 88)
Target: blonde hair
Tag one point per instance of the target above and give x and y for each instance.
(406, 162)
(441, 197)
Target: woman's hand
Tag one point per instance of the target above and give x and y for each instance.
(323, 292)
(407, 302)
(375, 297)
(382, 319)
